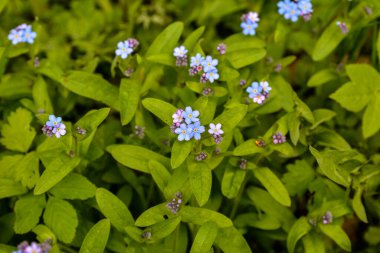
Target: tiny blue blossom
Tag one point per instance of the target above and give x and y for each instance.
(196, 60)
(15, 36)
(212, 75)
(293, 12)
(180, 51)
(254, 89)
(28, 35)
(305, 7)
(189, 115)
(209, 64)
(197, 130)
(53, 121)
(283, 6)
(184, 132)
(249, 28)
(265, 86)
(123, 49)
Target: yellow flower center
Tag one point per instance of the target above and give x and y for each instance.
(183, 131)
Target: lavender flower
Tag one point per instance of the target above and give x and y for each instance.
(278, 138)
(175, 204)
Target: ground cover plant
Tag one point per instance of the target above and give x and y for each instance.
(189, 126)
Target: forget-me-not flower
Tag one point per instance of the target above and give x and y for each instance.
(265, 86)
(184, 132)
(29, 35)
(197, 130)
(249, 28)
(60, 130)
(209, 63)
(196, 60)
(254, 89)
(212, 75)
(123, 49)
(190, 116)
(180, 51)
(54, 121)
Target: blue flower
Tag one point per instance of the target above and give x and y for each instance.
(249, 28)
(283, 6)
(265, 86)
(15, 36)
(54, 121)
(189, 115)
(180, 51)
(28, 35)
(196, 60)
(209, 64)
(123, 49)
(305, 7)
(293, 12)
(184, 132)
(254, 89)
(212, 75)
(197, 130)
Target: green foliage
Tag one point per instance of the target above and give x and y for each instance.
(120, 180)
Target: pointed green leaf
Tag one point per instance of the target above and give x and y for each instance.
(165, 59)
(160, 174)
(248, 147)
(28, 211)
(371, 124)
(136, 157)
(231, 117)
(41, 96)
(62, 218)
(322, 115)
(74, 186)
(239, 41)
(352, 96)
(96, 239)
(90, 122)
(200, 181)
(358, 206)
(129, 99)
(27, 170)
(200, 216)
(233, 178)
(230, 240)
(164, 228)
(297, 180)
(274, 185)
(364, 75)
(113, 209)
(180, 151)
(44, 233)
(18, 135)
(299, 229)
(261, 221)
(56, 170)
(193, 38)
(328, 41)
(92, 86)
(205, 238)
(152, 216)
(322, 77)
(166, 40)
(245, 57)
(161, 109)
(337, 234)
(313, 243)
(9, 188)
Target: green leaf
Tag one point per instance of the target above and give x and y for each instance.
(166, 40)
(160, 174)
(239, 41)
(62, 218)
(90, 121)
(230, 240)
(129, 99)
(370, 123)
(153, 215)
(28, 211)
(44, 233)
(18, 135)
(180, 151)
(113, 209)
(74, 186)
(248, 147)
(3, 4)
(193, 38)
(200, 181)
(164, 228)
(322, 77)
(161, 109)
(200, 216)
(298, 178)
(357, 205)
(364, 75)
(328, 41)
(136, 157)
(232, 181)
(55, 171)
(337, 234)
(165, 59)
(231, 117)
(92, 86)
(313, 243)
(27, 170)
(299, 229)
(41, 96)
(261, 221)
(322, 115)
(294, 127)
(245, 57)
(330, 138)
(96, 239)
(205, 238)
(330, 169)
(9, 188)
(352, 96)
(274, 185)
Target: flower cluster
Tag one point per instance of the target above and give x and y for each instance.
(249, 23)
(327, 218)
(54, 126)
(292, 10)
(278, 138)
(222, 48)
(24, 247)
(207, 64)
(186, 124)
(22, 33)
(175, 204)
(125, 48)
(258, 92)
(202, 156)
(216, 131)
(180, 54)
